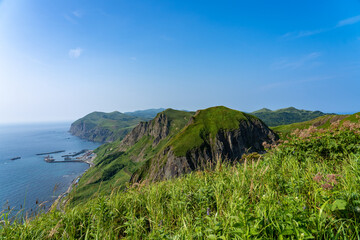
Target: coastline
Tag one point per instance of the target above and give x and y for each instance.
(60, 201)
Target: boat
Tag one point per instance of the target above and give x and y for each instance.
(15, 158)
(49, 159)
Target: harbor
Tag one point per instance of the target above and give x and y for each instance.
(87, 157)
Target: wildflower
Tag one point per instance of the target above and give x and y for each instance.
(208, 211)
(304, 207)
(357, 209)
(318, 178)
(327, 186)
(331, 178)
(160, 224)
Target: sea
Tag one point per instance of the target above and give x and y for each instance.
(29, 184)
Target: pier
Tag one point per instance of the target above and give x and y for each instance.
(48, 153)
(76, 154)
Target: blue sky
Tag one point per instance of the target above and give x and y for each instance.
(62, 59)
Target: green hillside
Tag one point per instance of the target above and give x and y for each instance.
(285, 116)
(307, 188)
(320, 122)
(143, 153)
(145, 114)
(115, 163)
(205, 125)
(108, 127)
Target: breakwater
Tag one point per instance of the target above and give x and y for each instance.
(47, 153)
(75, 154)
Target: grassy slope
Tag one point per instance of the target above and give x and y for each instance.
(283, 196)
(285, 116)
(114, 168)
(205, 125)
(320, 122)
(118, 123)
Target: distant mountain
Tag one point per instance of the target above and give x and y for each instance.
(174, 143)
(145, 114)
(108, 127)
(285, 116)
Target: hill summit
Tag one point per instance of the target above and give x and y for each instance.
(213, 134)
(172, 144)
(286, 116)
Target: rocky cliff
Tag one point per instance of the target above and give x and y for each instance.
(172, 144)
(97, 133)
(212, 134)
(158, 128)
(107, 127)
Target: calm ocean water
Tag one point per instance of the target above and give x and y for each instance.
(28, 180)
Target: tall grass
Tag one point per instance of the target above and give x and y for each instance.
(292, 192)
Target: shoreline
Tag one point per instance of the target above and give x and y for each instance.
(60, 201)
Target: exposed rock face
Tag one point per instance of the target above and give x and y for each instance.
(96, 133)
(157, 128)
(227, 145)
(108, 127)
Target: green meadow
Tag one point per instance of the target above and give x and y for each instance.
(306, 187)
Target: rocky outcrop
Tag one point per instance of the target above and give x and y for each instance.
(96, 133)
(104, 127)
(228, 145)
(158, 128)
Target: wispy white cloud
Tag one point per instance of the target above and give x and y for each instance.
(300, 34)
(295, 64)
(348, 21)
(75, 53)
(77, 13)
(73, 16)
(70, 18)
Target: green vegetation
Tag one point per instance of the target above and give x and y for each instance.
(205, 125)
(115, 165)
(145, 114)
(323, 122)
(308, 187)
(108, 127)
(285, 116)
